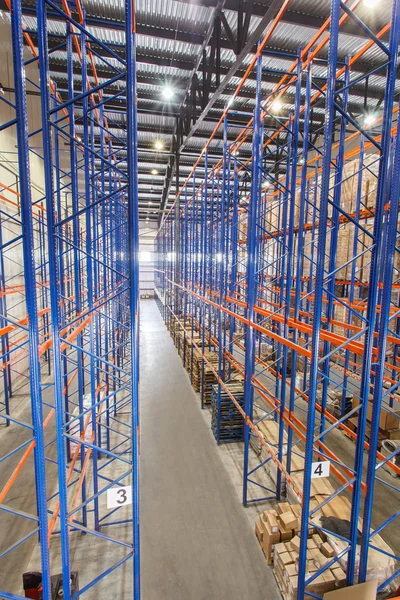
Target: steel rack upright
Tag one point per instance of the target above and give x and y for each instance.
(80, 251)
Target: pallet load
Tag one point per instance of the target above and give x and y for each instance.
(209, 378)
(212, 357)
(286, 564)
(231, 421)
(191, 349)
(277, 532)
(389, 422)
(381, 566)
(278, 526)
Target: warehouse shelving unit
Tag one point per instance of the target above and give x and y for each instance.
(77, 249)
(285, 265)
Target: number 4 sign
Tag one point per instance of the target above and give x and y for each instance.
(119, 496)
(320, 469)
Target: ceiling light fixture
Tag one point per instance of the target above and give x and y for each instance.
(168, 92)
(159, 145)
(276, 106)
(371, 3)
(154, 172)
(369, 119)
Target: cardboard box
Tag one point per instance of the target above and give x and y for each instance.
(269, 541)
(295, 543)
(317, 586)
(339, 575)
(288, 547)
(319, 559)
(327, 550)
(387, 420)
(329, 580)
(286, 559)
(296, 510)
(337, 507)
(362, 591)
(285, 535)
(259, 531)
(283, 507)
(288, 520)
(290, 571)
(270, 517)
(317, 540)
(311, 545)
(292, 585)
(280, 548)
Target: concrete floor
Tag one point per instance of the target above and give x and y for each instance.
(197, 542)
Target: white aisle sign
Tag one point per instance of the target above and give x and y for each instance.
(320, 469)
(119, 496)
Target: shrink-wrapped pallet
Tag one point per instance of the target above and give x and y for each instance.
(343, 253)
(242, 226)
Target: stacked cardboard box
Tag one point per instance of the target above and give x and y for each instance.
(277, 526)
(286, 565)
(389, 422)
(277, 533)
(242, 226)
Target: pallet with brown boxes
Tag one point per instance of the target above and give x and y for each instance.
(277, 532)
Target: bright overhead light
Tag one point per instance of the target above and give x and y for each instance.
(235, 152)
(369, 119)
(154, 172)
(159, 145)
(147, 218)
(78, 137)
(168, 92)
(230, 101)
(371, 3)
(276, 106)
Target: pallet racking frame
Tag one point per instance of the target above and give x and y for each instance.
(80, 267)
(332, 320)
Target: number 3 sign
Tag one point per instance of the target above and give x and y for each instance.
(119, 496)
(320, 469)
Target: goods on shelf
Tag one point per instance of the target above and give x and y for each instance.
(276, 526)
(209, 376)
(389, 422)
(278, 534)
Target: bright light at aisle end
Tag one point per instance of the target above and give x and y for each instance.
(371, 3)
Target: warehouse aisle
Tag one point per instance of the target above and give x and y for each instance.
(196, 540)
